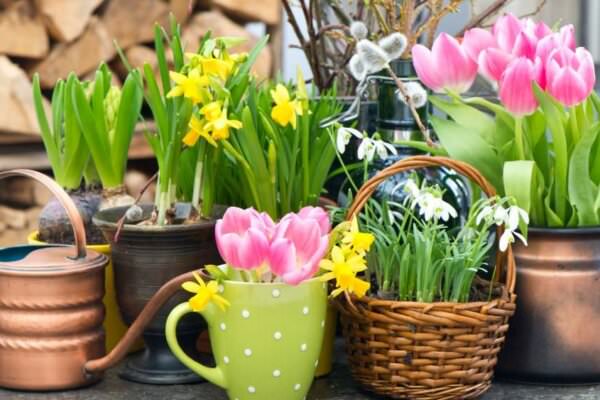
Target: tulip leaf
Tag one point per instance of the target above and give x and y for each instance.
(463, 145)
(582, 191)
(559, 144)
(524, 182)
(466, 115)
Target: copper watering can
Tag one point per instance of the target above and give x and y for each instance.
(51, 310)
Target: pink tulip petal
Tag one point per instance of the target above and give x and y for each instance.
(516, 92)
(493, 62)
(506, 29)
(476, 40)
(568, 87)
(310, 268)
(319, 215)
(459, 70)
(567, 36)
(282, 256)
(525, 45)
(586, 68)
(542, 30)
(227, 245)
(253, 249)
(305, 235)
(546, 46)
(426, 68)
(540, 72)
(237, 220)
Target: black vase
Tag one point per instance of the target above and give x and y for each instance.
(144, 259)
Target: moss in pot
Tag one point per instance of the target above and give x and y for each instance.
(87, 140)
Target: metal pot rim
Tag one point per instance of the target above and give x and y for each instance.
(588, 230)
(102, 221)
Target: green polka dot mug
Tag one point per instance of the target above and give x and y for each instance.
(266, 343)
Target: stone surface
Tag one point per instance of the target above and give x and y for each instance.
(80, 56)
(16, 99)
(220, 25)
(66, 19)
(337, 386)
(181, 9)
(22, 32)
(267, 11)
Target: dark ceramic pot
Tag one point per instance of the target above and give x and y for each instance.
(553, 335)
(145, 258)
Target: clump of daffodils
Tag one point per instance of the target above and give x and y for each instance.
(347, 258)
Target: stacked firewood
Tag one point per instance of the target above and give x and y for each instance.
(55, 37)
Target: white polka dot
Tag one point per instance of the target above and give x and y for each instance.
(276, 293)
(245, 313)
(303, 347)
(316, 363)
(277, 373)
(221, 288)
(226, 360)
(305, 311)
(297, 387)
(323, 324)
(251, 389)
(277, 335)
(223, 326)
(248, 352)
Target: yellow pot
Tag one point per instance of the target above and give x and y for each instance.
(114, 327)
(327, 349)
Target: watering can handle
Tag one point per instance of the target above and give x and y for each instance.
(64, 200)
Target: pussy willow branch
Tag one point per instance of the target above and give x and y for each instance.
(480, 18)
(411, 106)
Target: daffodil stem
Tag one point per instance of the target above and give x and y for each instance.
(247, 170)
(163, 205)
(198, 176)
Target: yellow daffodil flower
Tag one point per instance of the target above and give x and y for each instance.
(188, 86)
(219, 128)
(205, 293)
(211, 111)
(197, 130)
(343, 267)
(285, 110)
(359, 241)
(216, 67)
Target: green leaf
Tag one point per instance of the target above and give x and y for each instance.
(582, 191)
(463, 145)
(466, 115)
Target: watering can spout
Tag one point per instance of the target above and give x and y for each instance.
(99, 365)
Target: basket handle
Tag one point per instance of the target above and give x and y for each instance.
(417, 162)
(64, 200)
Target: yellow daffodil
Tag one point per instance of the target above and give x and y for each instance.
(285, 110)
(205, 293)
(197, 130)
(188, 86)
(359, 241)
(216, 67)
(343, 267)
(211, 111)
(219, 128)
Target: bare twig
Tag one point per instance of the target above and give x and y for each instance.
(480, 18)
(537, 9)
(121, 221)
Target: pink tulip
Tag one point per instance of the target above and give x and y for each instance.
(516, 91)
(570, 75)
(319, 215)
(477, 40)
(493, 62)
(506, 30)
(446, 66)
(242, 238)
(539, 29)
(297, 248)
(567, 36)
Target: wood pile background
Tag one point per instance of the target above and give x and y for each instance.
(54, 37)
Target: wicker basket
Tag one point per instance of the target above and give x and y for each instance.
(426, 351)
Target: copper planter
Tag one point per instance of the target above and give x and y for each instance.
(144, 259)
(554, 333)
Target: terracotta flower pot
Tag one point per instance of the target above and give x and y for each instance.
(145, 258)
(554, 333)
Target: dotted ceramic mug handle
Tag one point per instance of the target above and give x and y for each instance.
(213, 375)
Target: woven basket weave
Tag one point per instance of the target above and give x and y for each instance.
(427, 351)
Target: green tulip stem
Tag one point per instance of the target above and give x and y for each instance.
(519, 137)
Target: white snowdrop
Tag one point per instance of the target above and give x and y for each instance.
(344, 135)
(382, 148)
(508, 237)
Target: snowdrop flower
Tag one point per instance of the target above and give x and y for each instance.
(366, 149)
(394, 45)
(515, 214)
(357, 68)
(500, 215)
(484, 214)
(433, 207)
(343, 137)
(358, 30)
(412, 189)
(508, 237)
(416, 93)
(372, 56)
(383, 148)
